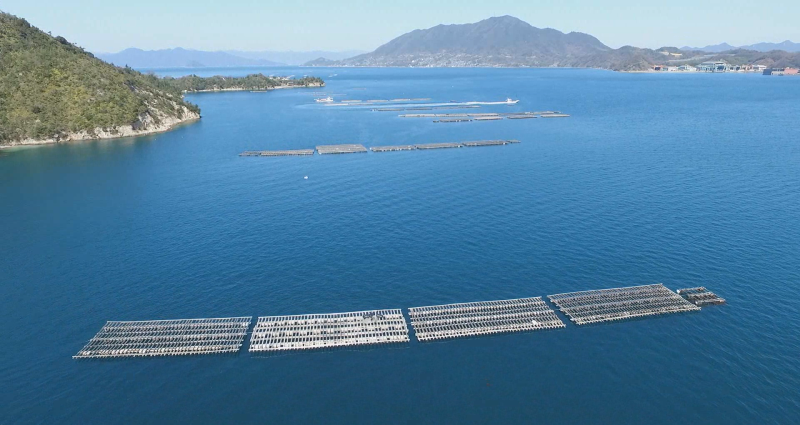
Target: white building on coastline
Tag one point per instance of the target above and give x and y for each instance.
(714, 66)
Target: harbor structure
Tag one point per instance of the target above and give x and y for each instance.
(482, 318)
(167, 338)
(320, 331)
(606, 305)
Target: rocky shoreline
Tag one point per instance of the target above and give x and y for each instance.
(146, 124)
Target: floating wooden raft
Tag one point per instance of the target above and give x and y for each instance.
(446, 115)
(315, 331)
(438, 145)
(482, 318)
(489, 143)
(455, 120)
(607, 305)
(294, 152)
(492, 118)
(554, 115)
(522, 117)
(335, 149)
(701, 296)
(167, 338)
(392, 148)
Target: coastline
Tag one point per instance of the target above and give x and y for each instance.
(623, 71)
(166, 124)
(144, 126)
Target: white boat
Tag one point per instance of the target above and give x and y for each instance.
(508, 101)
(324, 100)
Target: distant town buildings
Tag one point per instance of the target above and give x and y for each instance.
(781, 71)
(714, 66)
(722, 66)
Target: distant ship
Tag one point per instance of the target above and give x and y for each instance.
(508, 101)
(324, 100)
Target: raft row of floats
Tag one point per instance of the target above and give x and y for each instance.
(167, 338)
(356, 101)
(535, 114)
(339, 149)
(425, 108)
(379, 327)
(290, 152)
(315, 331)
(425, 146)
(701, 296)
(492, 117)
(606, 305)
(357, 148)
(482, 318)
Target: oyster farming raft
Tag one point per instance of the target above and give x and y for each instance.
(181, 337)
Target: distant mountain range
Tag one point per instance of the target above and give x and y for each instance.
(510, 42)
(295, 58)
(495, 42)
(786, 46)
(501, 41)
(179, 58)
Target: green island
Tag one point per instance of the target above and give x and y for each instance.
(253, 82)
(52, 91)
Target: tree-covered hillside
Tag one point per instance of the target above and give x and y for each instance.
(50, 88)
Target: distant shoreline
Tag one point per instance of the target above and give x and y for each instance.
(250, 89)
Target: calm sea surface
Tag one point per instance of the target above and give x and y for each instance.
(686, 180)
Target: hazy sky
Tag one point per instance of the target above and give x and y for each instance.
(110, 25)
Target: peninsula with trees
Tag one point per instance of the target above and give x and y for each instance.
(52, 91)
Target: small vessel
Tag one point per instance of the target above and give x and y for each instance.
(324, 100)
(511, 102)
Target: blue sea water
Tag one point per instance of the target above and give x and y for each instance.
(687, 180)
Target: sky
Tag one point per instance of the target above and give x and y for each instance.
(301, 25)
